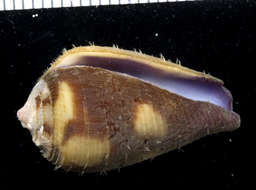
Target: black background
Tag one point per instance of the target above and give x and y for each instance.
(217, 37)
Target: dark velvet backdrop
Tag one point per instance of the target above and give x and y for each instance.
(217, 37)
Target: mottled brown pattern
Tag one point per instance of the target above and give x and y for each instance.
(38, 101)
(105, 105)
(46, 101)
(47, 129)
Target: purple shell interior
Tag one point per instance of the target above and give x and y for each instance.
(195, 88)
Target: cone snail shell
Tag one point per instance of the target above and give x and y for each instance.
(102, 108)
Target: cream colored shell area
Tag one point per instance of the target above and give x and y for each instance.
(114, 52)
(148, 122)
(78, 150)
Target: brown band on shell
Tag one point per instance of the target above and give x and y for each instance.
(46, 101)
(47, 129)
(38, 101)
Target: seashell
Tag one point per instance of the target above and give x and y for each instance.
(101, 108)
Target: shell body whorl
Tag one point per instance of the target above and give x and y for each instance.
(91, 112)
